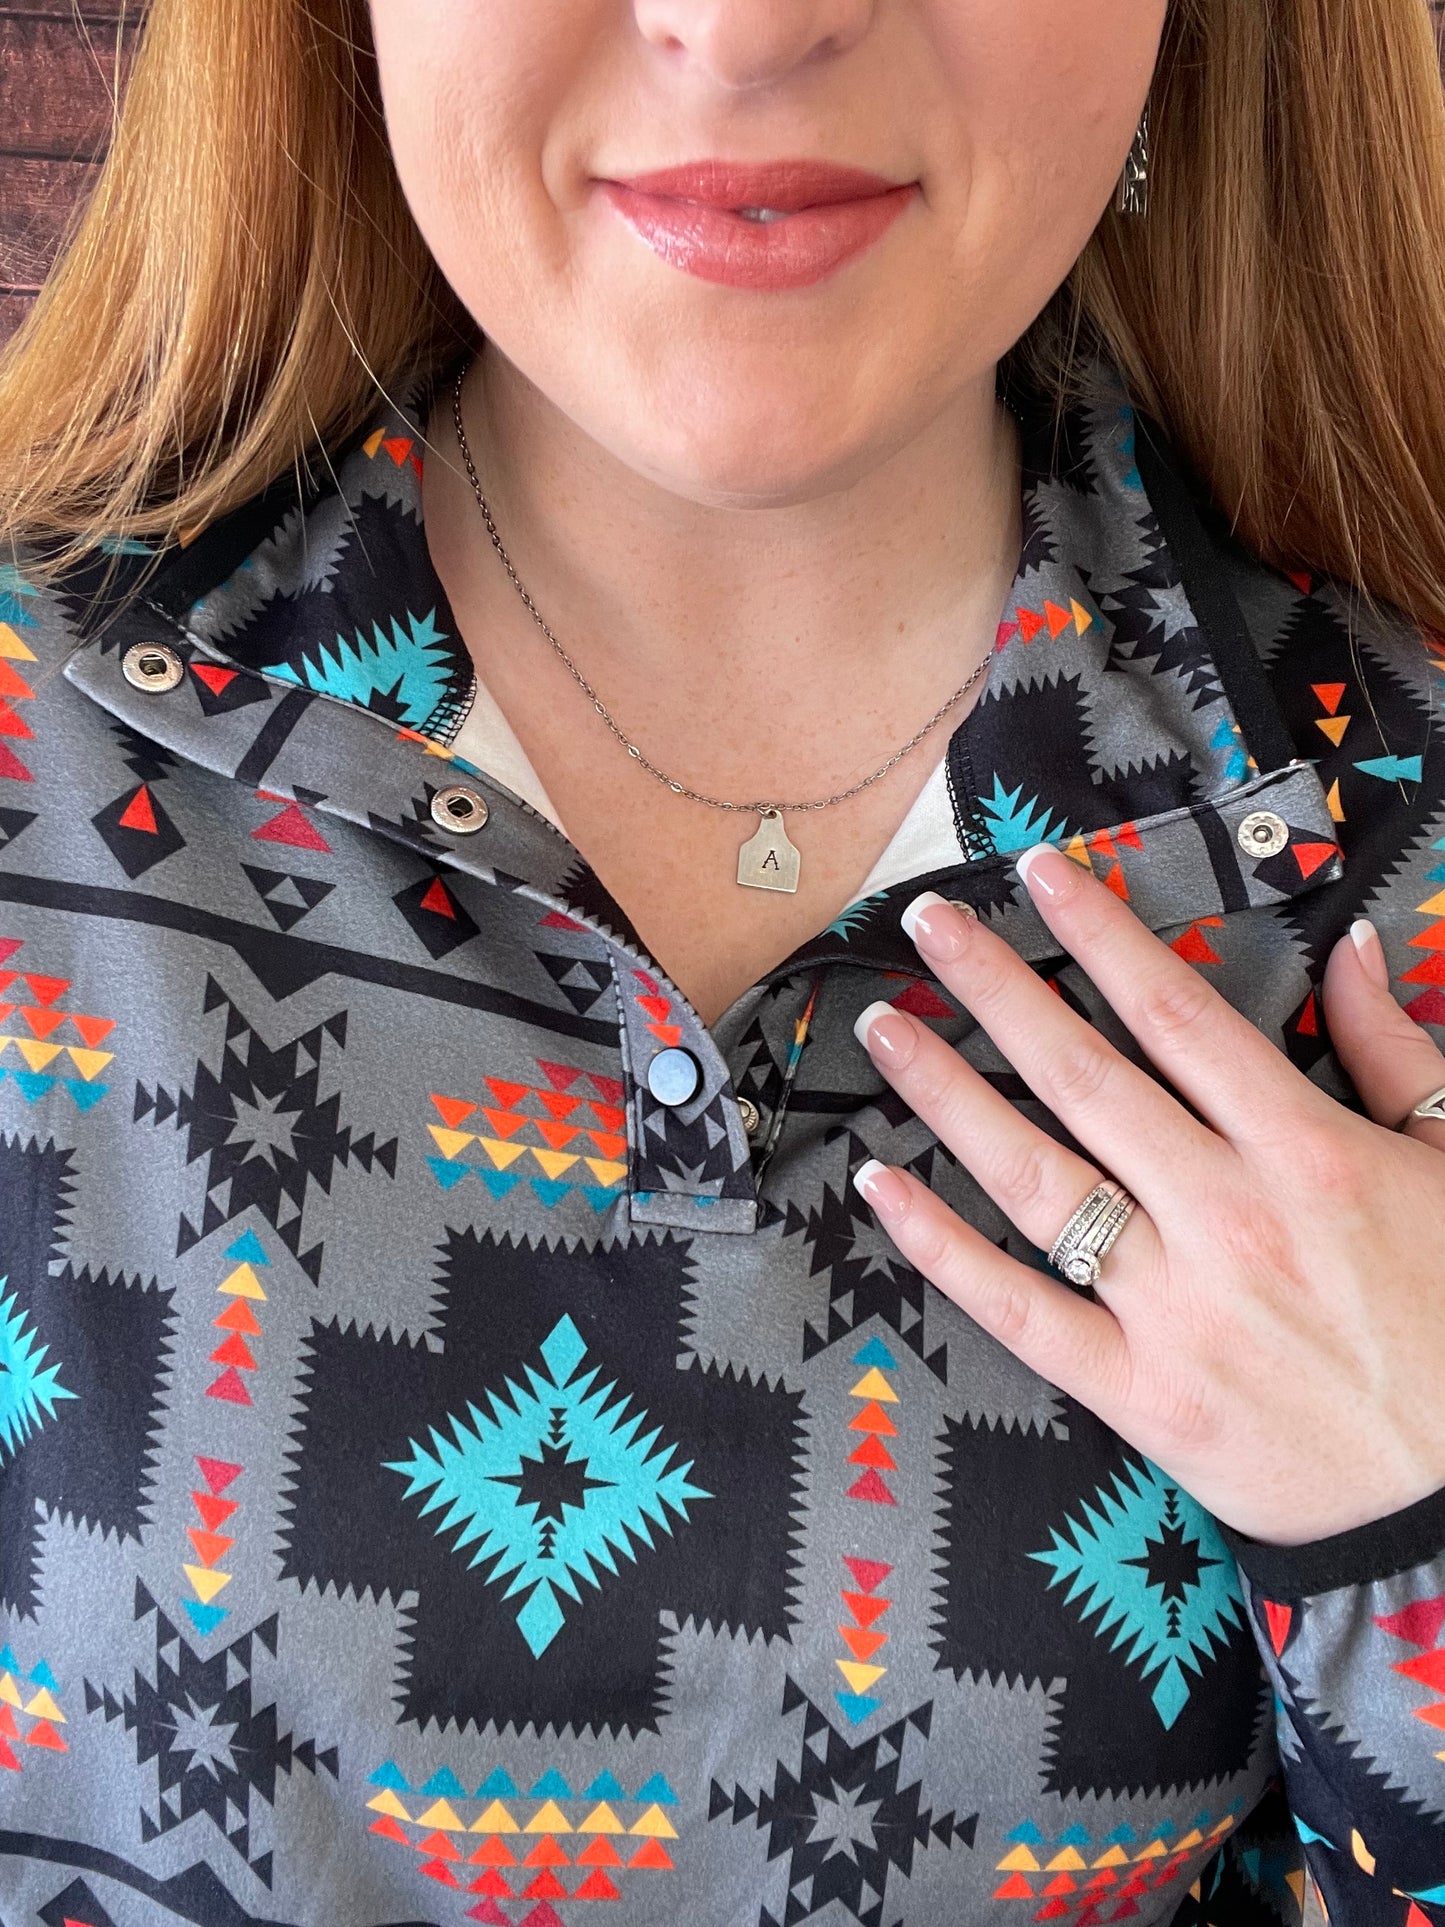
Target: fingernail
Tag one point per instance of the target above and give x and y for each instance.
(935, 924)
(1371, 952)
(886, 1033)
(883, 1189)
(1046, 871)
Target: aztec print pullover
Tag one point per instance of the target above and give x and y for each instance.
(441, 1481)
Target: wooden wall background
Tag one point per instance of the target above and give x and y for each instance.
(60, 63)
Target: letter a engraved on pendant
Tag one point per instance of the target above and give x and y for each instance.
(768, 861)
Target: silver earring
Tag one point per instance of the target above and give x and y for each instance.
(1132, 196)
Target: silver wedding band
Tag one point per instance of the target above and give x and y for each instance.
(1431, 1107)
(1085, 1241)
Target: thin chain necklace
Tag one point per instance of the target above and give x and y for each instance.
(767, 860)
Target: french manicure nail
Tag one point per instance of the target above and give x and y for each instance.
(1046, 870)
(885, 1033)
(883, 1189)
(1370, 951)
(938, 934)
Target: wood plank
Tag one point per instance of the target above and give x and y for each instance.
(55, 86)
(36, 197)
(13, 309)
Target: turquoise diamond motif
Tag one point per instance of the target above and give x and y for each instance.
(551, 1486)
(1150, 1562)
(29, 1388)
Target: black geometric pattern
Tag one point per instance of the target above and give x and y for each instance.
(286, 896)
(846, 1819)
(368, 1402)
(265, 1127)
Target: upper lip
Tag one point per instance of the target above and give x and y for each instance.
(782, 184)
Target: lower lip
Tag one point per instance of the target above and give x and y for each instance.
(717, 245)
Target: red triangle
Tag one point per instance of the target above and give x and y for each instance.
(398, 447)
(871, 1488)
(436, 898)
(1006, 633)
(229, 1387)
(139, 813)
(1058, 618)
(7, 1758)
(872, 1451)
(1278, 1618)
(44, 1734)
(1431, 971)
(1301, 580)
(922, 1000)
(864, 1609)
(1310, 856)
(7, 1723)
(388, 1829)
(214, 1512)
(12, 767)
(453, 1109)
(1419, 1624)
(1194, 947)
(869, 1573)
(234, 1351)
(542, 1916)
(10, 723)
(560, 1076)
(1431, 939)
(1029, 624)
(1428, 1008)
(491, 1882)
(292, 827)
(554, 920)
(544, 1886)
(1330, 694)
(213, 675)
(45, 990)
(509, 1096)
(597, 1887)
(488, 1912)
(218, 1473)
(1309, 1023)
(1427, 1668)
(1014, 1888)
(611, 1089)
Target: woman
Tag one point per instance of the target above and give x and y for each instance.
(571, 563)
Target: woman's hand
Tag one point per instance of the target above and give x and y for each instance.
(1269, 1327)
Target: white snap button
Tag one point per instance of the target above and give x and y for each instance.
(751, 1116)
(459, 808)
(152, 666)
(1262, 834)
(674, 1076)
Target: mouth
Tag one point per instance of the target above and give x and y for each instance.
(762, 190)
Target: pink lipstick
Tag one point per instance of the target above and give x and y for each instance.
(774, 224)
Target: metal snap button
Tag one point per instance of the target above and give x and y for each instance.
(459, 808)
(674, 1076)
(1262, 834)
(152, 666)
(751, 1116)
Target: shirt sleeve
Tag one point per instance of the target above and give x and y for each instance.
(1350, 1630)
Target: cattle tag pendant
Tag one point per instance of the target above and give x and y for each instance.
(768, 861)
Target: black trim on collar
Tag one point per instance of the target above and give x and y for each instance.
(1182, 506)
(1361, 1557)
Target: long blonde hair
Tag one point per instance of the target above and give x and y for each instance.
(246, 279)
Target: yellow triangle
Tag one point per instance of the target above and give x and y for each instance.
(874, 1385)
(549, 1819)
(206, 1582)
(1434, 907)
(12, 646)
(442, 1815)
(860, 1678)
(604, 1170)
(44, 1707)
(496, 1819)
(1192, 1839)
(450, 1143)
(36, 1054)
(88, 1062)
(1332, 726)
(1019, 1861)
(371, 444)
(1077, 849)
(655, 1824)
(1296, 1883)
(387, 1802)
(1363, 1857)
(602, 1820)
(1069, 1861)
(1082, 618)
(1115, 1857)
(1156, 1850)
(242, 1283)
(501, 1153)
(1221, 1826)
(10, 1692)
(1333, 800)
(554, 1163)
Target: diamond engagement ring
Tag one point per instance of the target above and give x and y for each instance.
(1082, 1245)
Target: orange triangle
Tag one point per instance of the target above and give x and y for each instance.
(214, 1512)
(12, 683)
(861, 1644)
(44, 1734)
(94, 1030)
(238, 1317)
(558, 1104)
(872, 1451)
(10, 723)
(1029, 624)
(1058, 618)
(546, 1853)
(509, 1096)
(453, 1109)
(1331, 694)
(43, 1022)
(1431, 939)
(873, 1418)
(1333, 727)
(609, 1143)
(559, 1136)
(652, 1854)
(506, 1123)
(1114, 880)
(398, 447)
(668, 1034)
(864, 1608)
(1310, 856)
(1195, 948)
(210, 1546)
(601, 1853)
(139, 813)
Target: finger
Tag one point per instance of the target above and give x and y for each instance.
(1391, 1061)
(1138, 1132)
(1226, 1068)
(1075, 1344)
(1037, 1182)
